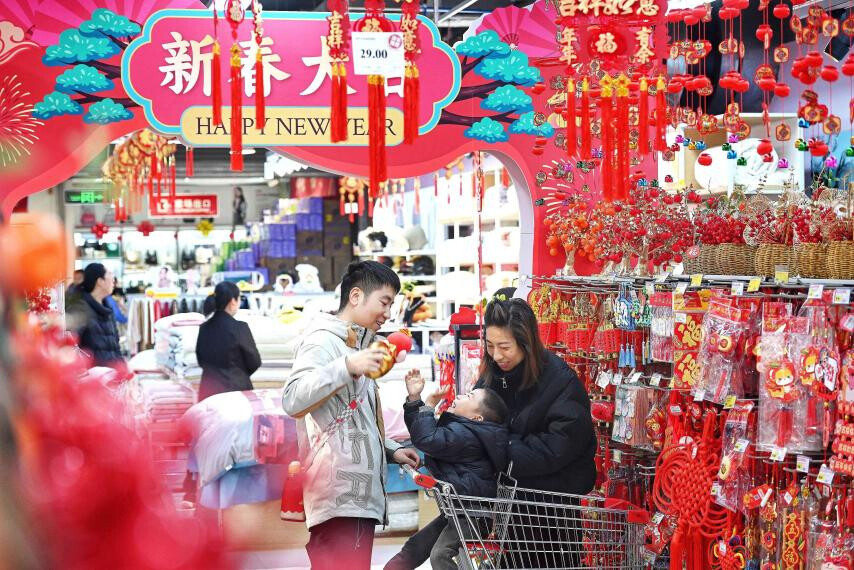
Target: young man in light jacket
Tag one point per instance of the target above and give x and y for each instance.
(342, 441)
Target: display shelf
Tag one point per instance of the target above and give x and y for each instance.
(397, 253)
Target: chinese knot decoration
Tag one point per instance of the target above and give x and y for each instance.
(411, 81)
(234, 14)
(258, 32)
(100, 230)
(375, 21)
(145, 228)
(338, 43)
(352, 191)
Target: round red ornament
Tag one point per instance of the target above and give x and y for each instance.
(829, 73)
(781, 90)
(781, 11)
(705, 159)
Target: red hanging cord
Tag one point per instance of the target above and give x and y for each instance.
(571, 127)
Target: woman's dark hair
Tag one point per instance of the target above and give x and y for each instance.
(367, 276)
(209, 305)
(224, 293)
(91, 274)
(516, 316)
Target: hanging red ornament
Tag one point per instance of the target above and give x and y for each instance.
(704, 159)
(338, 43)
(781, 90)
(781, 11)
(829, 73)
(621, 131)
(848, 66)
(234, 14)
(767, 83)
(586, 134)
(189, 163)
(375, 21)
(145, 228)
(571, 127)
(216, 77)
(411, 82)
(813, 59)
(660, 115)
(258, 32)
(764, 147)
(643, 117)
(607, 135)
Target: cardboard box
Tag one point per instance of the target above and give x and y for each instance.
(275, 265)
(337, 246)
(309, 222)
(310, 244)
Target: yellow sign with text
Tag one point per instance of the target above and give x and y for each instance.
(285, 126)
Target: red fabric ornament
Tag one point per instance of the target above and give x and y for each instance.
(292, 508)
(767, 83)
(145, 228)
(586, 135)
(764, 33)
(216, 77)
(781, 11)
(411, 82)
(260, 109)
(605, 106)
(829, 73)
(705, 159)
(100, 230)
(338, 43)
(571, 127)
(814, 59)
(234, 14)
(781, 90)
(643, 117)
(848, 66)
(660, 115)
(764, 147)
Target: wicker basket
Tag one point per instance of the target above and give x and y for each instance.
(840, 260)
(811, 260)
(692, 265)
(770, 255)
(736, 259)
(709, 259)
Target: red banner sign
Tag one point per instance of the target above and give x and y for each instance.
(185, 206)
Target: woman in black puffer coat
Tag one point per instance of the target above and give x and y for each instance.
(552, 442)
(95, 322)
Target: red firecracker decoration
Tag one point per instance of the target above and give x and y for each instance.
(234, 14)
(216, 77)
(258, 32)
(145, 228)
(338, 43)
(189, 163)
(100, 230)
(411, 81)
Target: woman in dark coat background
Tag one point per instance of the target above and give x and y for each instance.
(93, 320)
(225, 348)
(552, 442)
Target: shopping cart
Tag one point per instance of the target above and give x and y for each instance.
(529, 529)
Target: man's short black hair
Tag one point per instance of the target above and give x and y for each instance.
(492, 407)
(225, 293)
(91, 274)
(367, 276)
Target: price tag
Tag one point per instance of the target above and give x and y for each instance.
(699, 395)
(730, 401)
(841, 296)
(378, 53)
(681, 318)
(803, 464)
(633, 379)
(662, 277)
(825, 475)
(846, 323)
(816, 289)
(617, 379)
(604, 379)
(741, 445)
(737, 288)
(696, 280)
(655, 379)
(649, 288)
(657, 518)
(681, 288)
(716, 489)
(676, 410)
(753, 285)
(781, 274)
(778, 454)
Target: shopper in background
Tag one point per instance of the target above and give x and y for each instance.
(225, 348)
(344, 472)
(117, 305)
(238, 206)
(76, 282)
(93, 319)
(552, 442)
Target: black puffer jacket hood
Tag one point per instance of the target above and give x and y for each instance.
(466, 453)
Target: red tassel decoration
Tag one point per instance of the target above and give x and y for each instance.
(643, 118)
(411, 96)
(622, 135)
(586, 135)
(173, 179)
(605, 106)
(571, 127)
(376, 133)
(216, 78)
(260, 110)
(236, 110)
(435, 184)
(341, 210)
(189, 164)
(337, 114)
(338, 42)
(660, 115)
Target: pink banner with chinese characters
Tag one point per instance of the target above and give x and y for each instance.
(167, 70)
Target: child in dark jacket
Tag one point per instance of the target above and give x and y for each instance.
(467, 447)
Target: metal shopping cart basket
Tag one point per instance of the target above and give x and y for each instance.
(529, 529)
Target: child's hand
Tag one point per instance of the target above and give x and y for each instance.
(436, 397)
(414, 384)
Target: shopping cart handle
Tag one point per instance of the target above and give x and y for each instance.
(420, 479)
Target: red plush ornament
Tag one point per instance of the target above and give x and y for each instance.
(764, 147)
(145, 228)
(767, 83)
(813, 59)
(571, 127)
(764, 33)
(586, 135)
(660, 115)
(643, 117)
(705, 159)
(728, 13)
(781, 90)
(848, 66)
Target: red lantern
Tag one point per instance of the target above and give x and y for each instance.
(674, 86)
(767, 83)
(848, 66)
(764, 33)
(829, 73)
(813, 59)
(764, 147)
(728, 13)
(781, 90)
(705, 159)
(782, 11)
